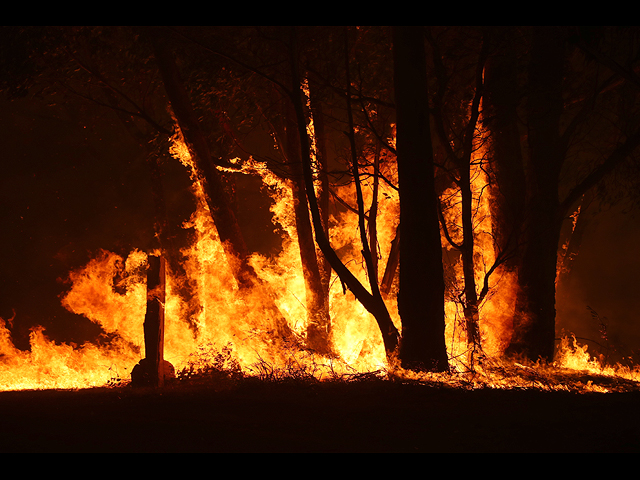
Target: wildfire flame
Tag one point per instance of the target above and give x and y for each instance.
(230, 321)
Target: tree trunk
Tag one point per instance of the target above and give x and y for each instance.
(154, 319)
(506, 168)
(391, 266)
(373, 215)
(535, 312)
(154, 370)
(467, 251)
(322, 167)
(421, 295)
(317, 301)
(534, 319)
(373, 304)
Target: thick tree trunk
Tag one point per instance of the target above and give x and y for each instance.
(154, 319)
(534, 320)
(421, 295)
(535, 312)
(154, 370)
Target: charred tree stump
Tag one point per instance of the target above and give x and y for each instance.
(153, 370)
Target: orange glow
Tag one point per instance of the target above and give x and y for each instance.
(230, 321)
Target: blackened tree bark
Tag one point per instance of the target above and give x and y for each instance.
(154, 320)
(322, 166)
(544, 213)
(391, 266)
(421, 294)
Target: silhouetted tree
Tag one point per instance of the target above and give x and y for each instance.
(457, 123)
(555, 122)
(421, 290)
(373, 300)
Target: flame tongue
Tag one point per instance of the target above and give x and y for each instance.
(222, 325)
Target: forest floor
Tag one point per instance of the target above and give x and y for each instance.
(332, 417)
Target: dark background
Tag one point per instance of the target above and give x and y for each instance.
(604, 277)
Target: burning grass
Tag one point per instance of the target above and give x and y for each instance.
(49, 365)
(219, 369)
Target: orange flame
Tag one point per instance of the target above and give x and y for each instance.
(229, 320)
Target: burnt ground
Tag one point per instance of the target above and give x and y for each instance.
(338, 417)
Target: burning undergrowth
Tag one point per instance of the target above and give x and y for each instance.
(575, 371)
(224, 333)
